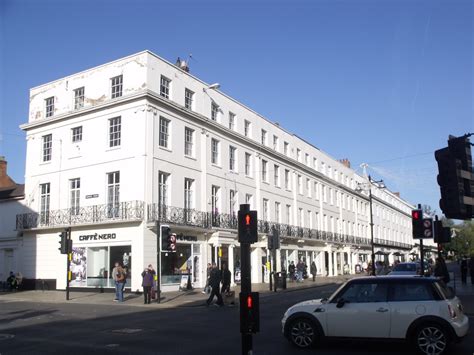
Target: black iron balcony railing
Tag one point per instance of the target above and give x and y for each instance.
(392, 243)
(211, 220)
(123, 211)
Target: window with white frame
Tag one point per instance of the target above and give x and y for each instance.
(47, 147)
(188, 194)
(249, 200)
(288, 214)
(287, 179)
(113, 194)
(265, 209)
(300, 217)
(276, 175)
(163, 187)
(277, 212)
(317, 221)
(315, 164)
(215, 200)
(214, 151)
(306, 159)
(275, 143)
(45, 191)
(309, 218)
(264, 170)
(78, 98)
(248, 158)
(117, 83)
(298, 154)
(325, 193)
(76, 134)
(264, 137)
(115, 131)
(164, 132)
(232, 158)
(165, 84)
(49, 102)
(214, 111)
(300, 184)
(331, 196)
(232, 202)
(188, 142)
(232, 121)
(188, 99)
(308, 187)
(75, 195)
(316, 192)
(247, 132)
(285, 148)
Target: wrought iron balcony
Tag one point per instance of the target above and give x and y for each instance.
(212, 221)
(123, 211)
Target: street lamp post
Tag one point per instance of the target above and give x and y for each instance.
(368, 186)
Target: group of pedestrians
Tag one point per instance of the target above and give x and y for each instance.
(299, 272)
(119, 275)
(213, 284)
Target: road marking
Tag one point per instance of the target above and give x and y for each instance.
(127, 331)
(6, 336)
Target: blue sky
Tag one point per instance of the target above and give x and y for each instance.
(383, 82)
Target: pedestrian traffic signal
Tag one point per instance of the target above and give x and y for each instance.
(455, 178)
(249, 312)
(417, 223)
(63, 243)
(273, 239)
(171, 246)
(165, 231)
(428, 228)
(247, 227)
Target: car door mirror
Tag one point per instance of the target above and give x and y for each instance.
(324, 300)
(340, 302)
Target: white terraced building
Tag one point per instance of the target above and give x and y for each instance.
(114, 149)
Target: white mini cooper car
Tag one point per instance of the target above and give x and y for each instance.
(421, 310)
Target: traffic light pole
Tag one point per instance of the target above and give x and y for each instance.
(158, 263)
(246, 288)
(422, 263)
(68, 261)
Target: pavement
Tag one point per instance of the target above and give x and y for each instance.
(187, 298)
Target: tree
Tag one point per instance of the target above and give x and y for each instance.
(463, 243)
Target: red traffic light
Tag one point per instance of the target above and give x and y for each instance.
(247, 220)
(249, 302)
(415, 214)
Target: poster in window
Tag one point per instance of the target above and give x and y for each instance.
(78, 267)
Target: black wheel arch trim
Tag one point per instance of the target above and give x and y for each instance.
(431, 319)
(308, 316)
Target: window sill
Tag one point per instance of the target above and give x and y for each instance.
(216, 165)
(166, 149)
(109, 149)
(190, 157)
(45, 162)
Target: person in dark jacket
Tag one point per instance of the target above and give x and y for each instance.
(464, 270)
(292, 269)
(147, 283)
(314, 270)
(215, 281)
(225, 278)
(441, 270)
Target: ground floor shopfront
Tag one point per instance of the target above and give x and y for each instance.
(96, 249)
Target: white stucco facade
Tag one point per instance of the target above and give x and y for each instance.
(188, 168)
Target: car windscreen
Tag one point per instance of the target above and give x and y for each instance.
(405, 267)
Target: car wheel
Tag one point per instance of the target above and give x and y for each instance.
(302, 332)
(431, 339)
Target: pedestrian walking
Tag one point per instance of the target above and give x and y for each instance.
(314, 270)
(119, 276)
(147, 284)
(291, 269)
(299, 271)
(225, 278)
(214, 282)
(208, 274)
(441, 270)
(471, 269)
(153, 285)
(464, 269)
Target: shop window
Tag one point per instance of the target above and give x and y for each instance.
(176, 264)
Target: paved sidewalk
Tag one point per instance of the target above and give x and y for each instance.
(168, 300)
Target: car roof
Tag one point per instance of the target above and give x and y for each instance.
(393, 279)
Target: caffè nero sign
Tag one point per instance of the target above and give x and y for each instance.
(97, 236)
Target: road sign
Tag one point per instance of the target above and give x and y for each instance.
(427, 228)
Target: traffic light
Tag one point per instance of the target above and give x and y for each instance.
(417, 223)
(165, 235)
(455, 177)
(249, 312)
(274, 239)
(171, 242)
(247, 227)
(63, 243)
(428, 228)
(442, 234)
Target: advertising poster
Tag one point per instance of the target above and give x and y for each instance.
(78, 267)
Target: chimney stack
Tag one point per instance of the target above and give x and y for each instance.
(5, 180)
(346, 162)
